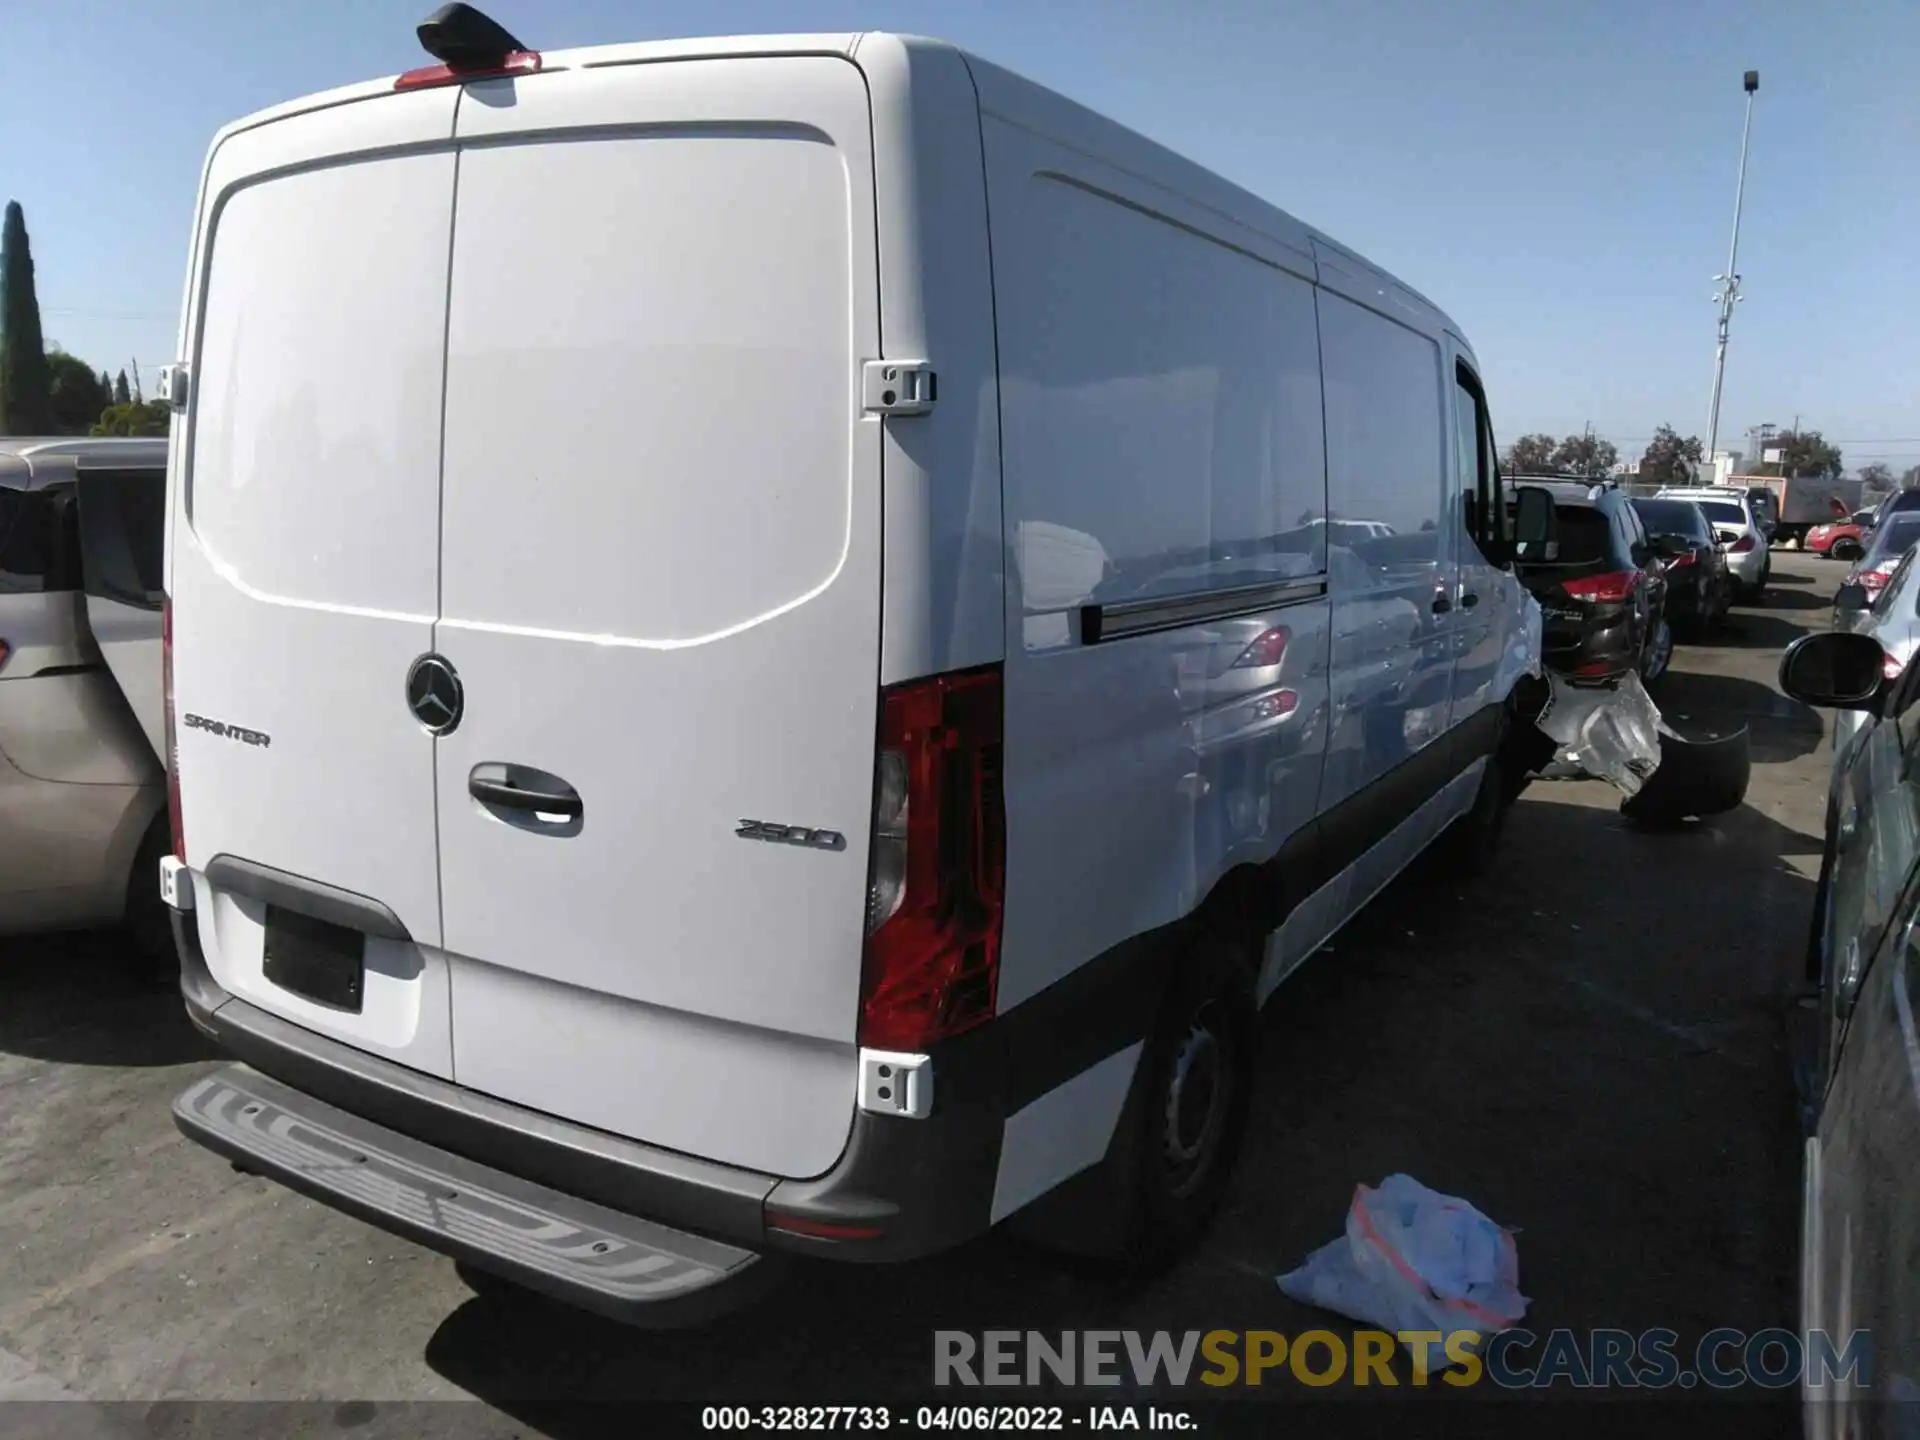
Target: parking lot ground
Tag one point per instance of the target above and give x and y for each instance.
(1588, 1044)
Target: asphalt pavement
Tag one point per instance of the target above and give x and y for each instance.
(1587, 1044)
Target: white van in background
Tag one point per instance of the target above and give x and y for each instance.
(755, 661)
(82, 788)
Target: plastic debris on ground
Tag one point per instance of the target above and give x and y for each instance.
(1414, 1259)
(1611, 733)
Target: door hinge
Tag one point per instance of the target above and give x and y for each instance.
(172, 386)
(896, 387)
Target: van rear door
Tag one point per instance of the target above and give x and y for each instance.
(304, 571)
(660, 596)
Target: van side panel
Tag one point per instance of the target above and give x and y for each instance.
(1160, 398)
(944, 606)
(1386, 480)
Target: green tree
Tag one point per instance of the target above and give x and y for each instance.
(1803, 452)
(1530, 455)
(26, 398)
(1586, 455)
(1667, 457)
(134, 418)
(1876, 477)
(121, 395)
(106, 387)
(75, 392)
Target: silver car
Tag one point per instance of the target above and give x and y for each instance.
(83, 815)
(1893, 619)
(1738, 531)
(1860, 1052)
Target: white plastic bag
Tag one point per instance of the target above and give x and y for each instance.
(1414, 1259)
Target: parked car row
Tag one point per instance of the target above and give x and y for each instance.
(1630, 575)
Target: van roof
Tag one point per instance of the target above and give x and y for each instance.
(1001, 91)
(34, 462)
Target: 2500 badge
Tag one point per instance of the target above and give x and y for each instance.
(230, 732)
(801, 835)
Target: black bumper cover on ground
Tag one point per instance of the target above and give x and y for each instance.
(1699, 775)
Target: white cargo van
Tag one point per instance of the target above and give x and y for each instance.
(755, 661)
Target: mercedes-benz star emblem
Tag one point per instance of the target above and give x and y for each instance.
(434, 694)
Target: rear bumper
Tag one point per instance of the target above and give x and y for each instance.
(1602, 650)
(590, 1256)
(902, 1188)
(1749, 567)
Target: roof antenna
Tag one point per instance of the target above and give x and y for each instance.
(462, 38)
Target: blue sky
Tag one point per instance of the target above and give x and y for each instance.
(1557, 174)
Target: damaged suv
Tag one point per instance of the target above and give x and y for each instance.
(1603, 590)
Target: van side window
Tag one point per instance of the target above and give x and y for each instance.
(1202, 419)
(1482, 508)
(122, 530)
(39, 541)
(1386, 434)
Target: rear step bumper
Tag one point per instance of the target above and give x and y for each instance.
(623, 1267)
(904, 1188)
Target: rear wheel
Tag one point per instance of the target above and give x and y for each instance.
(1845, 550)
(1179, 1134)
(1658, 654)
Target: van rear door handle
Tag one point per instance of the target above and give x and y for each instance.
(557, 798)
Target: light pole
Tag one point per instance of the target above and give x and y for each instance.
(1729, 283)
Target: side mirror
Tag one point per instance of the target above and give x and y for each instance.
(1834, 669)
(1536, 531)
(1853, 596)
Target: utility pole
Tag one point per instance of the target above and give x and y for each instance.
(1729, 283)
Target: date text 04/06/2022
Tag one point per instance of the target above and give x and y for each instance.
(994, 1418)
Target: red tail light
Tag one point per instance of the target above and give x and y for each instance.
(173, 746)
(4, 652)
(1742, 545)
(518, 62)
(932, 958)
(1681, 561)
(1891, 665)
(1608, 589)
(1873, 579)
(1269, 649)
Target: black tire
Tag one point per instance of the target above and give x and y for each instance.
(1466, 849)
(147, 927)
(1197, 1081)
(1175, 1146)
(1656, 658)
(1845, 550)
